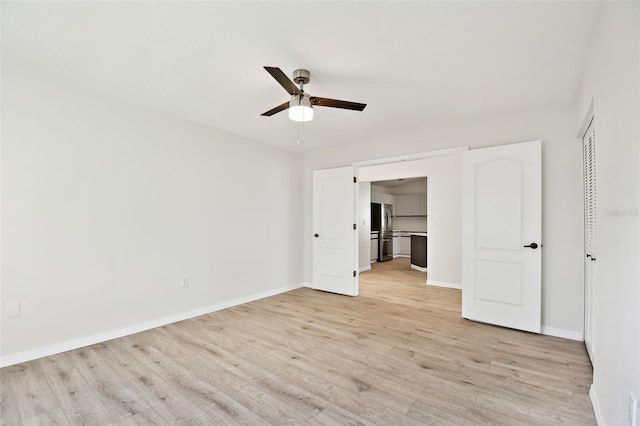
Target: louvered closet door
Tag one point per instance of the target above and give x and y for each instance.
(590, 229)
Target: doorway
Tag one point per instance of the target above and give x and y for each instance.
(398, 222)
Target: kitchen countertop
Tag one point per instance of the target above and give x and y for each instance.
(418, 234)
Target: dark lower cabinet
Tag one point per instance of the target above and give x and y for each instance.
(419, 251)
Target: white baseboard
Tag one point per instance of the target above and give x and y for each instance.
(596, 406)
(365, 268)
(559, 332)
(57, 348)
(401, 255)
(444, 284)
(418, 268)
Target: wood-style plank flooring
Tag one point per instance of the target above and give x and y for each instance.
(399, 354)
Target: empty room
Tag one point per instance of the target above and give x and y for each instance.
(314, 212)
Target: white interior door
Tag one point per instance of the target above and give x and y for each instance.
(335, 253)
(501, 236)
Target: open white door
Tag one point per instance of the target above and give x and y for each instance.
(501, 236)
(335, 238)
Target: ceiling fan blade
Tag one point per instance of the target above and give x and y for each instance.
(284, 81)
(276, 109)
(334, 103)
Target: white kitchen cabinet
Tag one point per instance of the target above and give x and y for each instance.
(405, 245)
(379, 197)
(374, 249)
(396, 245)
(403, 205)
(411, 205)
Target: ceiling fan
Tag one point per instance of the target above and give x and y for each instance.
(301, 104)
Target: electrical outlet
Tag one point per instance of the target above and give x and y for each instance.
(632, 413)
(184, 282)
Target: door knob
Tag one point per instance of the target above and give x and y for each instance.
(316, 235)
(532, 246)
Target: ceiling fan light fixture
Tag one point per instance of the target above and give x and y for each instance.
(300, 108)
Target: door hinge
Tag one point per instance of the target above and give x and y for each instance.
(355, 180)
(354, 226)
(354, 273)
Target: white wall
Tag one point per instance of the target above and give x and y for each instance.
(562, 287)
(611, 81)
(379, 188)
(411, 187)
(381, 195)
(105, 206)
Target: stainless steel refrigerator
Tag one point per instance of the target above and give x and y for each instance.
(385, 238)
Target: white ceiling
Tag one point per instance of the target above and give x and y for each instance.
(415, 64)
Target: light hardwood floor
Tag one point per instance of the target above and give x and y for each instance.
(398, 354)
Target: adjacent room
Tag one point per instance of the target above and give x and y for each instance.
(320, 212)
(398, 213)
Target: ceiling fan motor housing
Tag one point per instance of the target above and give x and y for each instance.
(302, 100)
(301, 76)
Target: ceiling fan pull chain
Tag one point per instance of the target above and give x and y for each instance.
(301, 131)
